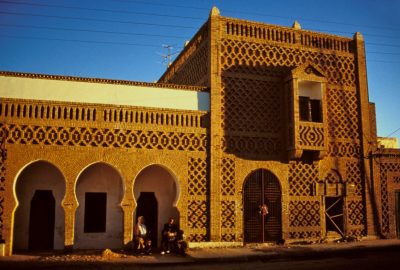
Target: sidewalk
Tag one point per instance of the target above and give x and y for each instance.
(203, 255)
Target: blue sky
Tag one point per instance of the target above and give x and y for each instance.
(125, 39)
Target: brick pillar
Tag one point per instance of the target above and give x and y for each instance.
(215, 126)
(366, 143)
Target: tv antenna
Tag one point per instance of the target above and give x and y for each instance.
(167, 58)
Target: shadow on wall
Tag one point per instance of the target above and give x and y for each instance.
(253, 109)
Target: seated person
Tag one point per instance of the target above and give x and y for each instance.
(169, 235)
(141, 241)
(182, 245)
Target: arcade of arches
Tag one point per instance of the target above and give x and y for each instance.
(39, 221)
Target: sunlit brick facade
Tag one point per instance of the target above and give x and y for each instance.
(288, 125)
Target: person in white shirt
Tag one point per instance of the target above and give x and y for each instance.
(142, 242)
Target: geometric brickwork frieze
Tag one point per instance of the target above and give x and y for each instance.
(250, 58)
(344, 149)
(103, 137)
(257, 147)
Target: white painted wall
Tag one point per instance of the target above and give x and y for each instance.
(158, 180)
(101, 93)
(100, 177)
(38, 175)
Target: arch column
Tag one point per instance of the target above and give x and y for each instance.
(128, 206)
(70, 204)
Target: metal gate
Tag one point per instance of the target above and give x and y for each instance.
(262, 224)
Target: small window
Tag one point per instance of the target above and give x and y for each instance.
(95, 212)
(310, 105)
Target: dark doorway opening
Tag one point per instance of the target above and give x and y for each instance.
(95, 212)
(148, 208)
(262, 188)
(334, 215)
(41, 221)
(397, 199)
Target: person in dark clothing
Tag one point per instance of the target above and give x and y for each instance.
(169, 235)
(181, 245)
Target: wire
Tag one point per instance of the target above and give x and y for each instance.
(100, 9)
(394, 132)
(193, 18)
(87, 30)
(97, 20)
(82, 41)
(263, 15)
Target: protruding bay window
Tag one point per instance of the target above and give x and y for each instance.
(307, 130)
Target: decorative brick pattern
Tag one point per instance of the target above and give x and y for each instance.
(228, 206)
(301, 178)
(343, 114)
(353, 173)
(259, 147)
(304, 213)
(251, 105)
(252, 58)
(311, 136)
(385, 168)
(228, 177)
(22, 109)
(197, 184)
(305, 234)
(191, 66)
(198, 205)
(344, 149)
(228, 214)
(355, 212)
(97, 137)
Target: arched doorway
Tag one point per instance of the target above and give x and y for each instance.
(261, 187)
(147, 206)
(39, 217)
(99, 217)
(156, 194)
(41, 220)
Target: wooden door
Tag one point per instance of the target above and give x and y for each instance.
(262, 188)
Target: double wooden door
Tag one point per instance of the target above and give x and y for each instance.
(262, 191)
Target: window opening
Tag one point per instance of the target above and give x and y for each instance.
(95, 212)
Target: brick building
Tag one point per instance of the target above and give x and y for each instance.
(269, 116)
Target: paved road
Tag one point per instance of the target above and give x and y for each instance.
(368, 260)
